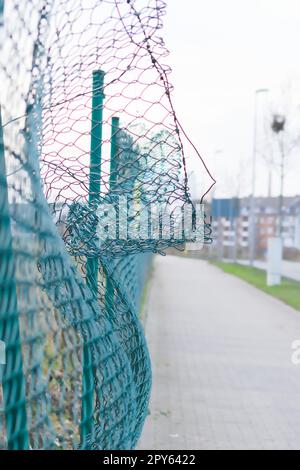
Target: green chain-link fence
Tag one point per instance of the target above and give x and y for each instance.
(86, 120)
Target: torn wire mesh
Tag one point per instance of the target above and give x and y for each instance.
(87, 119)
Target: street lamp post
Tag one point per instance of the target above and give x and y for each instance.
(252, 234)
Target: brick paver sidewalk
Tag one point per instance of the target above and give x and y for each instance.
(221, 354)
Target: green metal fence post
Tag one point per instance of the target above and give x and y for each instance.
(114, 150)
(14, 395)
(92, 265)
(96, 135)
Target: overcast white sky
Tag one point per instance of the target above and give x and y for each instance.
(221, 52)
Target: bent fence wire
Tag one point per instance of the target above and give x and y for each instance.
(86, 118)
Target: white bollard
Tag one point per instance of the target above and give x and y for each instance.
(274, 261)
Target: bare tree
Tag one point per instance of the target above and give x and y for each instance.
(277, 149)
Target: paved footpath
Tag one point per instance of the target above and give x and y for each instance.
(221, 355)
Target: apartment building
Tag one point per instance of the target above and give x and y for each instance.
(231, 224)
